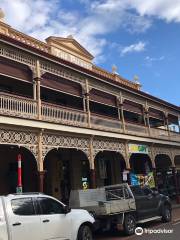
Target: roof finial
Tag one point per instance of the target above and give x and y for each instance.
(136, 79)
(114, 69)
(70, 36)
(2, 15)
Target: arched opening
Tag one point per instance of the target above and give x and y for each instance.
(165, 179)
(8, 166)
(66, 170)
(109, 167)
(140, 163)
(177, 165)
(141, 170)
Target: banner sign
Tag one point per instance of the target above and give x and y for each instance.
(137, 148)
(140, 179)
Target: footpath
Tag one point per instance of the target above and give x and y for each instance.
(176, 212)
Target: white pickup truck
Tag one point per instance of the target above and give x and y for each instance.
(37, 216)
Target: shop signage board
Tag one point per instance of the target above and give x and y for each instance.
(138, 148)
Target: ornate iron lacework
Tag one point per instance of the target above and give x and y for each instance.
(24, 139)
(162, 150)
(59, 71)
(51, 141)
(102, 145)
(16, 55)
(17, 137)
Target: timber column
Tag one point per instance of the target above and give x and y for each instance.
(87, 104)
(37, 84)
(121, 112)
(119, 102)
(92, 169)
(146, 118)
(41, 172)
(127, 159)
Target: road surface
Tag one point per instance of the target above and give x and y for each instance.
(168, 231)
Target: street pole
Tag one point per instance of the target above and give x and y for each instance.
(19, 185)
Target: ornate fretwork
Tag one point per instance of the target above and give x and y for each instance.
(34, 72)
(20, 138)
(60, 71)
(16, 55)
(176, 152)
(108, 145)
(17, 137)
(52, 141)
(164, 150)
(33, 149)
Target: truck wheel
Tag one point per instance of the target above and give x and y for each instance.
(166, 213)
(129, 224)
(84, 233)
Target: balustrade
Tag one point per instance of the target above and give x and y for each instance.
(62, 115)
(105, 123)
(17, 106)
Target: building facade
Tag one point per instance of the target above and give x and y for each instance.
(76, 125)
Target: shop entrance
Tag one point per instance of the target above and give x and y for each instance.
(141, 170)
(8, 169)
(165, 179)
(109, 167)
(66, 169)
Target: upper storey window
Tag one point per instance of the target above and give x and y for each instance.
(173, 123)
(156, 118)
(133, 112)
(103, 103)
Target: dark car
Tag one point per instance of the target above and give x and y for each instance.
(150, 205)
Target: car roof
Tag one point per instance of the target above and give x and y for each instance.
(27, 194)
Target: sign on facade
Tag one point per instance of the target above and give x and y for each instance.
(141, 179)
(138, 148)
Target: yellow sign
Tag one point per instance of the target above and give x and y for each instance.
(137, 148)
(85, 185)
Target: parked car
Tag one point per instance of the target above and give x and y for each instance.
(39, 217)
(122, 206)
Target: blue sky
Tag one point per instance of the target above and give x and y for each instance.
(140, 37)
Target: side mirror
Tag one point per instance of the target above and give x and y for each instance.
(149, 196)
(155, 193)
(67, 209)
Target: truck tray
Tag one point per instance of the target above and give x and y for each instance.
(108, 200)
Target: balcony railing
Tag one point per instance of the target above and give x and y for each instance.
(22, 107)
(105, 123)
(159, 133)
(17, 106)
(132, 128)
(58, 114)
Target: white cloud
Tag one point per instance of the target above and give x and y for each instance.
(136, 47)
(42, 18)
(168, 10)
(150, 60)
(154, 59)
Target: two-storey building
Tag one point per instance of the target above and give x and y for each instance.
(77, 125)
